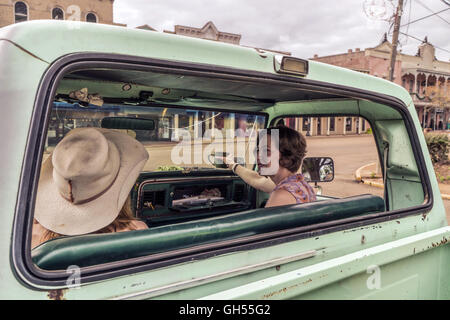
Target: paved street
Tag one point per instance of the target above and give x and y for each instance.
(349, 154)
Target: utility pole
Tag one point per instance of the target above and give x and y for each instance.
(398, 17)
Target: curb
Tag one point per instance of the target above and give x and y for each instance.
(358, 172)
(358, 178)
(373, 184)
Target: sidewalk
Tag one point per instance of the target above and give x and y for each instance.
(349, 135)
(367, 175)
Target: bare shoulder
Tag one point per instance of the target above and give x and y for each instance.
(280, 197)
(134, 225)
(140, 225)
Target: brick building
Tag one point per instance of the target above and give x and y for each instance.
(328, 125)
(374, 61)
(209, 31)
(416, 73)
(98, 11)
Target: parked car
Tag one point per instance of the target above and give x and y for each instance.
(228, 246)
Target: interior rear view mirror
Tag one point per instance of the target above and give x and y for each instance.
(316, 169)
(128, 123)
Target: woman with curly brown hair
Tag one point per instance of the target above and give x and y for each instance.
(280, 155)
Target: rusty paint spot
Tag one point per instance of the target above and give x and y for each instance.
(442, 242)
(137, 284)
(398, 222)
(363, 228)
(56, 294)
(278, 268)
(284, 290)
(363, 239)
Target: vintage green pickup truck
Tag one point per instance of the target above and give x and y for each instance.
(59, 75)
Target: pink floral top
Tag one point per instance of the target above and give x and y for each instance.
(298, 187)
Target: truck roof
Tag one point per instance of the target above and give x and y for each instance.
(49, 40)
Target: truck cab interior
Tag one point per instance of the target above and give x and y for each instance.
(189, 203)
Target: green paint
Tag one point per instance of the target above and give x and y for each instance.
(412, 252)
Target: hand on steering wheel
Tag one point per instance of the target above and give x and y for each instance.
(229, 160)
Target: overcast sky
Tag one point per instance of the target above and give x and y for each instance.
(303, 27)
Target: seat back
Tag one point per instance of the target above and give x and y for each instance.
(94, 249)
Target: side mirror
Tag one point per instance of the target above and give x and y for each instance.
(316, 169)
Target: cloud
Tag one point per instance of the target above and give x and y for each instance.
(303, 27)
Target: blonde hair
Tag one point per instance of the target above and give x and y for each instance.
(123, 221)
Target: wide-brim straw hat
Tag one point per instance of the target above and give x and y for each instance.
(85, 182)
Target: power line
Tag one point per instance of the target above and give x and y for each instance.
(408, 35)
(423, 5)
(430, 15)
(409, 19)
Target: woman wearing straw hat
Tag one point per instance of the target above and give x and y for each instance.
(85, 183)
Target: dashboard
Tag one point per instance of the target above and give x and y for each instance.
(170, 197)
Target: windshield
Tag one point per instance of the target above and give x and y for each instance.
(182, 139)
